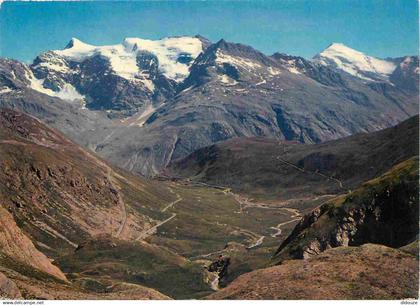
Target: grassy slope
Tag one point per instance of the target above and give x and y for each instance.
(34, 284)
(256, 165)
(134, 262)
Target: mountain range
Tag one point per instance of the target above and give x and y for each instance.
(142, 104)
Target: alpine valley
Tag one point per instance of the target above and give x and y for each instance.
(183, 168)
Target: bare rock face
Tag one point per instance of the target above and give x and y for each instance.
(18, 246)
(383, 211)
(8, 288)
(406, 75)
(366, 272)
(13, 74)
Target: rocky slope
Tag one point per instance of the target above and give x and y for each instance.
(281, 169)
(55, 197)
(142, 104)
(100, 261)
(366, 272)
(13, 242)
(59, 192)
(384, 210)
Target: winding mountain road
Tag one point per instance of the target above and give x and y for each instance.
(295, 217)
(149, 232)
(257, 243)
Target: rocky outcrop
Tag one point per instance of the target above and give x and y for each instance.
(220, 269)
(365, 272)
(383, 211)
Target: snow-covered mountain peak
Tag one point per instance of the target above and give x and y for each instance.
(76, 43)
(76, 50)
(174, 54)
(340, 46)
(355, 62)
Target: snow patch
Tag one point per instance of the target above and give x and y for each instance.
(123, 62)
(5, 90)
(406, 63)
(273, 71)
(227, 80)
(78, 50)
(293, 70)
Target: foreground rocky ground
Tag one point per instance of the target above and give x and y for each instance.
(366, 272)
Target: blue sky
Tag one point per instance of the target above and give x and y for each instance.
(299, 27)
